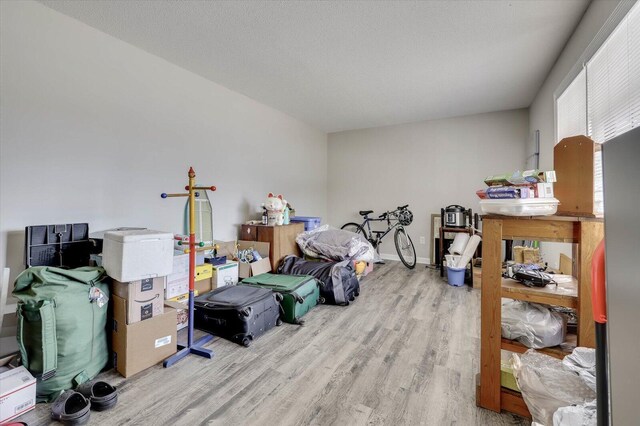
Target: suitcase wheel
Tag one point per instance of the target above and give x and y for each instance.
(246, 311)
(278, 322)
(357, 293)
(352, 297)
(246, 342)
(278, 297)
(321, 300)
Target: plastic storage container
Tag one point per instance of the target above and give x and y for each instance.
(64, 245)
(310, 222)
(520, 207)
(455, 276)
(137, 254)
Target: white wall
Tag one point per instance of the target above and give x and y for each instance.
(427, 165)
(542, 112)
(94, 129)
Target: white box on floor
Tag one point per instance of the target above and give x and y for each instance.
(137, 254)
(17, 392)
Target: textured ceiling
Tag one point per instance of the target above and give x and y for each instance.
(341, 65)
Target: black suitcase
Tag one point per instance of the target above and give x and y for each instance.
(237, 313)
(339, 284)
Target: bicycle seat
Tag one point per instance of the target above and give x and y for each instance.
(365, 212)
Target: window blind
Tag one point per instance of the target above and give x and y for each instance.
(572, 109)
(613, 82)
(633, 28)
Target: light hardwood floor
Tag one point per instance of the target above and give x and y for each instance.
(406, 352)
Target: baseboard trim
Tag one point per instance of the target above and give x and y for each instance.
(421, 260)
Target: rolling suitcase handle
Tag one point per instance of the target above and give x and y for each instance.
(599, 304)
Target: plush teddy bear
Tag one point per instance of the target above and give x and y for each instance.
(275, 208)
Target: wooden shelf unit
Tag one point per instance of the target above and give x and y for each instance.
(585, 234)
(559, 351)
(564, 294)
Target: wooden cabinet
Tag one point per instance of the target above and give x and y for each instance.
(281, 239)
(585, 233)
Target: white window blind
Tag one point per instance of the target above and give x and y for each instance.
(572, 109)
(613, 94)
(633, 27)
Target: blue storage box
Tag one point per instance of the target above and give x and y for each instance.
(310, 222)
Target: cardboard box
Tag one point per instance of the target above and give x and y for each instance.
(178, 281)
(246, 270)
(203, 286)
(176, 288)
(17, 390)
(226, 274)
(182, 312)
(544, 190)
(203, 272)
(183, 298)
(145, 298)
(143, 344)
(180, 271)
(136, 254)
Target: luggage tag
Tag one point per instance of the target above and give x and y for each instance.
(98, 296)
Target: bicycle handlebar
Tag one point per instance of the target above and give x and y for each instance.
(403, 207)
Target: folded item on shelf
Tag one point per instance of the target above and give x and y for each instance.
(531, 324)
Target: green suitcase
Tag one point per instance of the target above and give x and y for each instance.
(299, 293)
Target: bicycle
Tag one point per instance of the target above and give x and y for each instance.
(402, 217)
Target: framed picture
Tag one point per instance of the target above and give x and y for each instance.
(435, 232)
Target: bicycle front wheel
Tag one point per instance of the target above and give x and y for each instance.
(354, 227)
(404, 247)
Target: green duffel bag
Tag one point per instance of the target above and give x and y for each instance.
(299, 293)
(62, 315)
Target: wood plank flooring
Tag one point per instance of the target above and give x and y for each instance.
(405, 353)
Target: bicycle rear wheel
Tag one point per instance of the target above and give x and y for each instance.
(354, 227)
(404, 247)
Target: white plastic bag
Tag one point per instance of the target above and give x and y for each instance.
(336, 244)
(547, 385)
(576, 415)
(533, 325)
(583, 362)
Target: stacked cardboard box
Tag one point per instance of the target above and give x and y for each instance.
(144, 332)
(17, 389)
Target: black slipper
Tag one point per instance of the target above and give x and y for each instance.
(101, 394)
(71, 408)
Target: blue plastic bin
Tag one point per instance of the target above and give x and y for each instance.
(456, 276)
(310, 222)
